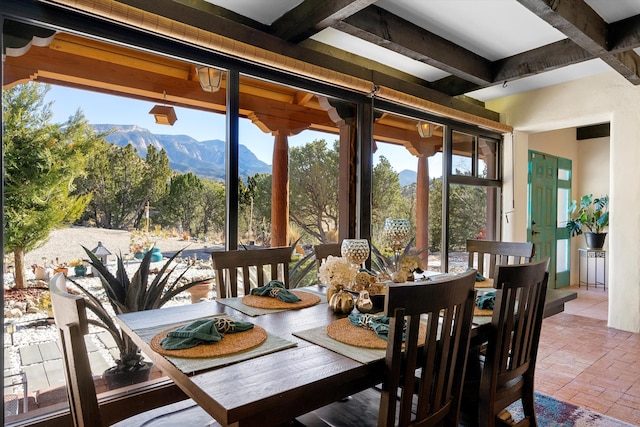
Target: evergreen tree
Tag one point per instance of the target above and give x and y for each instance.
(42, 160)
(313, 169)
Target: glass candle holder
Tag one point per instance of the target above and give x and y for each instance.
(356, 251)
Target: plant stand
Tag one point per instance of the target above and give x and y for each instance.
(593, 268)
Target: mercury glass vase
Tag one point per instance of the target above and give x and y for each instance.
(356, 251)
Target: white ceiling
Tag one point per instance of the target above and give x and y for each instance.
(492, 29)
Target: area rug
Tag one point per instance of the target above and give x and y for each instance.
(551, 412)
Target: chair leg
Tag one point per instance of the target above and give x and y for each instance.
(528, 402)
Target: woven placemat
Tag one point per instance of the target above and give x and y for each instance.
(346, 332)
(230, 344)
(482, 312)
(486, 283)
(307, 299)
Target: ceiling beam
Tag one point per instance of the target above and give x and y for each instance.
(545, 58)
(191, 13)
(311, 17)
(578, 21)
(380, 27)
(624, 34)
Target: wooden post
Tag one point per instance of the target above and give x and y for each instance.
(280, 191)
(422, 206)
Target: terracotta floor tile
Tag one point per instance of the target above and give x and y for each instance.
(584, 362)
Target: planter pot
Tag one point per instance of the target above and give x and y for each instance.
(80, 270)
(200, 291)
(117, 380)
(595, 240)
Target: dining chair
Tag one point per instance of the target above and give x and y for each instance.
(72, 324)
(422, 379)
(323, 250)
(247, 264)
(507, 372)
(487, 254)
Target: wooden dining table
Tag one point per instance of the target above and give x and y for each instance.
(273, 387)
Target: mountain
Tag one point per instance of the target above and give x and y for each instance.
(407, 177)
(202, 158)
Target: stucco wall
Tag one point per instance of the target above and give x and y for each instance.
(602, 98)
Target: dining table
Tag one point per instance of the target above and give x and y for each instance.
(297, 369)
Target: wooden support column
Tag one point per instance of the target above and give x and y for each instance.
(422, 205)
(423, 148)
(280, 191)
(281, 128)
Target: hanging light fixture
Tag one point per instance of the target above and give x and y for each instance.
(425, 129)
(164, 114)
(210, 78)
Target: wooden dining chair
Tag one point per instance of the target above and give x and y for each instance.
(323, 250)
(234, 265)
(512, 347)
(72, 324)
(422, 380)
(485, 255)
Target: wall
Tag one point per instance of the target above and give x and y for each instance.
(603, 98)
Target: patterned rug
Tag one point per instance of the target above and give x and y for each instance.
(554, 413)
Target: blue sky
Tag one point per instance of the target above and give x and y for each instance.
(202, 126)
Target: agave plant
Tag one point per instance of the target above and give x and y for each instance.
(409, 258)
(126, 295)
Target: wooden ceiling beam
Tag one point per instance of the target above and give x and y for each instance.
(196, 14)
(578, 21)
(311, 17)
(546, 58)
(380, 27)
(624, 34)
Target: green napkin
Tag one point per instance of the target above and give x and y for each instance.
(479, 276)
(202, 331)
(275, 289)
(378, 324)
(486, 300)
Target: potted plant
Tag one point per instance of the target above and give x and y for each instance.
(590, 217)
(125, 295)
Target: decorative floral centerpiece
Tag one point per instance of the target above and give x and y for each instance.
(337, 271)
(400, 266)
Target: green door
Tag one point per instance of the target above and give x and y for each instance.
(549, 185)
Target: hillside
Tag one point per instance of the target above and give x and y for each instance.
(202, 158)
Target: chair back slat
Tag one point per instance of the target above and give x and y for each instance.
(322, 251)
(249, 264)
(485, 255)
(516, 323)
(445, 311)
(71, 321)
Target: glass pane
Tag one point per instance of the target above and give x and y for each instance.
(297, 146)
(467, 220)
(487, 158)
(407, 178)
(562, 256)
(563, 206)
(564, 174)
(462, 154)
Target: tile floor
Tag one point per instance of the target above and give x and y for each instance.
(584, 362)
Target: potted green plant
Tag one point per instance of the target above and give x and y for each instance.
(125, 295)
(590, 217)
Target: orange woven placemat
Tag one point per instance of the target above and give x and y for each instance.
(307, 300)
(230, 344)
(346, 332)
(482, 312)
(486, 283)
